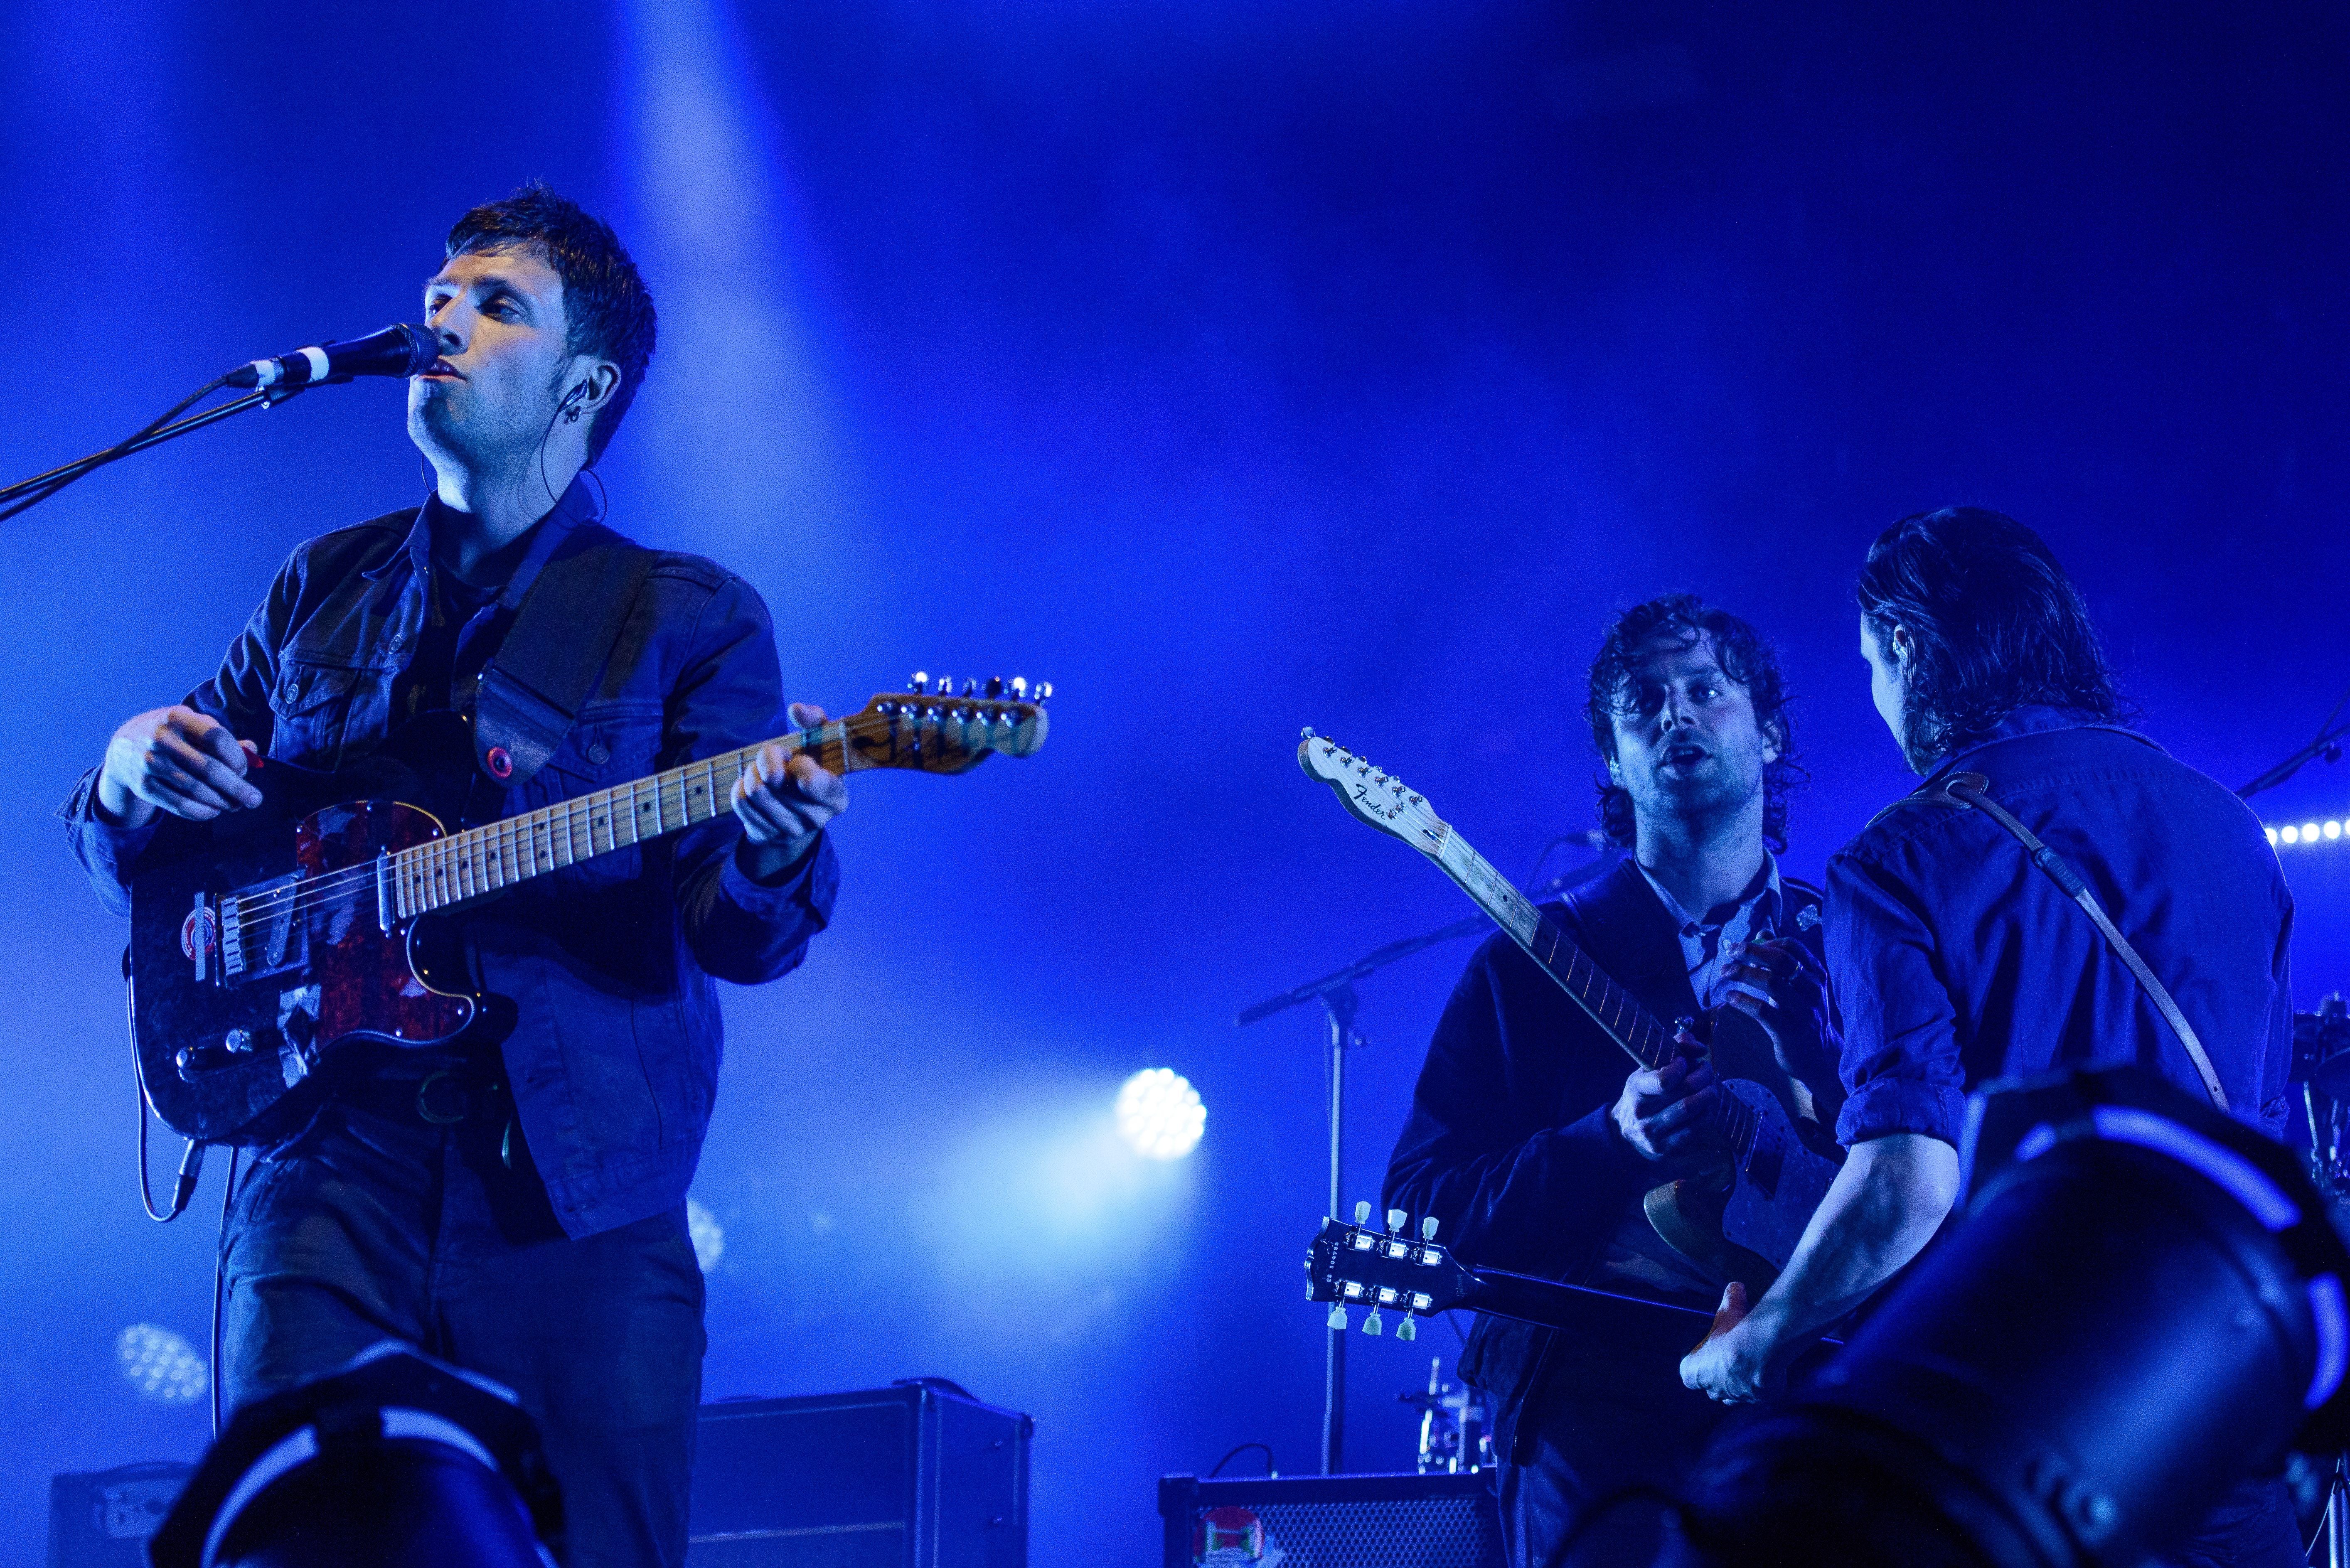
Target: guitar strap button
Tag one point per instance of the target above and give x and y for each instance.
(500, 763)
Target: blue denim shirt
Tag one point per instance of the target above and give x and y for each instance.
(614, 1060)
(1954, 961)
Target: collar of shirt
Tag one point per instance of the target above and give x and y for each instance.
(1704, 943)
(2031, 719)
(576, 507)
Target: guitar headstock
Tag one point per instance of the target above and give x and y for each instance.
(1360, 1265)
(934, 729)
(1371, 793)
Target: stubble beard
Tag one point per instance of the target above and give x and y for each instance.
(494, 451)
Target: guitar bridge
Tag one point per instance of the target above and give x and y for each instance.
(261, 931)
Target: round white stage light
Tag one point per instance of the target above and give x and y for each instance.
(161, 1365)
(1160, 1114)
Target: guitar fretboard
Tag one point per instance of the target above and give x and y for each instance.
(1611, 1007)
(482, 860)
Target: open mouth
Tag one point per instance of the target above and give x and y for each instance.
(1684, 756)
(439, 370)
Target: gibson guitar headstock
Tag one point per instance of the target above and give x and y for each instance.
(1372, 794)
(932, 728)
(1360, 1265)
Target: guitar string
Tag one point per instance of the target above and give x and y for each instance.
(1641, 1036)
(353, 880)
(349, 883)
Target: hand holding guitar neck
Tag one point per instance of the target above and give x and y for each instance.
(784, 802)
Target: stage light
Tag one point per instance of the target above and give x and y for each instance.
(2272, 835)
(2309, 833)
(709, 1236)
(1160, 1114)
(161, 1365)
(2291, 834)
(2334, 829)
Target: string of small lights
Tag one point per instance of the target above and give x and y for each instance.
(2324, 830)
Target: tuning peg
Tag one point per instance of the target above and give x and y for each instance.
(1044, 691)
(1306, 733)
(945, 687)
(919, 684)
(1428, 1228)
(1372, 1321)
(1363, 1212)
(995, 687)
(1020, 688)
(1407, 1330)
(1396, 1217)
(1338, 1318)
(970, 687)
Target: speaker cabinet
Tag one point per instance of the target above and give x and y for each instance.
(103, 1519)
(1331, 1522)
(918, 1475)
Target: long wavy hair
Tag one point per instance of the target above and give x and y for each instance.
(1683, 619)
(1996, 624)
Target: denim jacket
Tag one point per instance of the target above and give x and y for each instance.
(614, 1057)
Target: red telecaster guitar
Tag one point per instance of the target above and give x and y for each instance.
(262, 941)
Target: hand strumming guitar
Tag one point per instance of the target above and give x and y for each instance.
(177, 760)
(784, 803)
(1663, 1112)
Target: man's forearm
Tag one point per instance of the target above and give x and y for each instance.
(1881, 1210)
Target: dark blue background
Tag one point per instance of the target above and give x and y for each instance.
(1235, 368)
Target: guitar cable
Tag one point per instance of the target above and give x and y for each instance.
(191, 1165)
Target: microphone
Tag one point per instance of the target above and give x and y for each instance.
(394, 351)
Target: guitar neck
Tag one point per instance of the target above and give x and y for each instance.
(1555, 1305)
(482, 860)
(1611, 1007)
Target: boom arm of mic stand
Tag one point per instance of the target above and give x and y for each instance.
(1339, 979)
(40, 487)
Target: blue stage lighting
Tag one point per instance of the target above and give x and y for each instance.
(161, 1365)
(708, 1235)
(1160, 1114)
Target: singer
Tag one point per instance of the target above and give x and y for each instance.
(514, 1203)
(1527, 1139)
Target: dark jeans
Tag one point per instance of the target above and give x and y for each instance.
(1586, 1445)
(377, 1225)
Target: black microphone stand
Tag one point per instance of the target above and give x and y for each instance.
(1336, 992)
(41, 486)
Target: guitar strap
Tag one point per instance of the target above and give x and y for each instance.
(1968, 793)
(564, 635)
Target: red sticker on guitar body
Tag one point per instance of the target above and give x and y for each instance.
(196, 933)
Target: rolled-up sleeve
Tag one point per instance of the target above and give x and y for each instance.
(730, 696)
(1901, 1066)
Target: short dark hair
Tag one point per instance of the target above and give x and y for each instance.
(1995, 623)
(607, 309)
(1744, 656)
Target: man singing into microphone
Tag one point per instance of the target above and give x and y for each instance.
(514, 1204)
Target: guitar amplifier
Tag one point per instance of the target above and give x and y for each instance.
(1439, 1520)
(917, 1475)
(103, 1519)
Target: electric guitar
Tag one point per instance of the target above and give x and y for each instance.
(1739, 1220)
(1395, 1271)
(263, 940)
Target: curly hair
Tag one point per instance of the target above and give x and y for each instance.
(1744, 656)
(1996, 624)
(607, 308)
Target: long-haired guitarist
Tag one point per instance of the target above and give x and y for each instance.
(516, 1206)
(1528, 1141)
(1956, 961)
